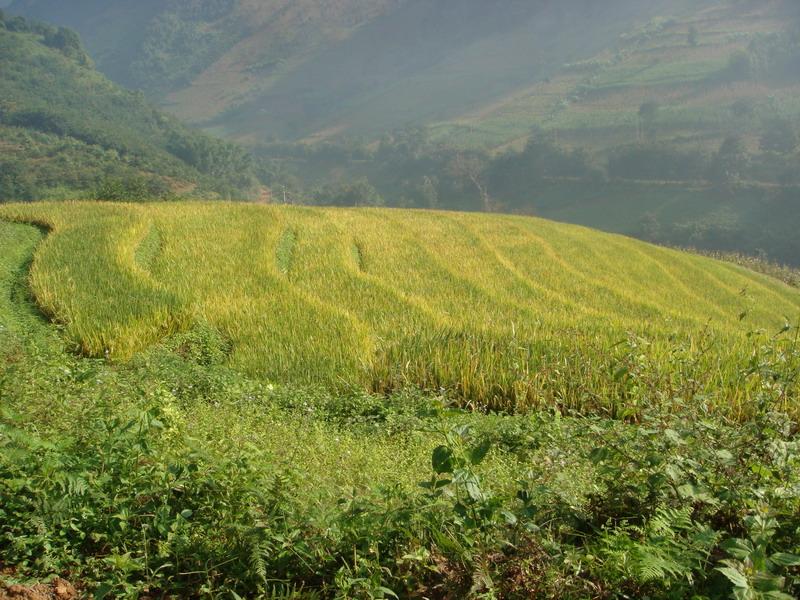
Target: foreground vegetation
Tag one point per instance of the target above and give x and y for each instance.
(172, 475)
(228, 401)
(789, 275)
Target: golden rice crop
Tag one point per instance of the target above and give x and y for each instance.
(502, 311)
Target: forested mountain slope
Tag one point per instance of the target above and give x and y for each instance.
(671, 120)
(66, 130)
(479, 73)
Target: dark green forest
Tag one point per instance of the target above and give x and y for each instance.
(729, 199)
(67, 131)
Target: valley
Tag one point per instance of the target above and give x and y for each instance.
(399, 299)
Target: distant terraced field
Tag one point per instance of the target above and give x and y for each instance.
(595, 103)
(499, 311)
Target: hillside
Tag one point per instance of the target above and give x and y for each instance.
(68, 131)
(477, 76)
(720, 69)
(172, 472)
(393, 377)
(164, 47)
(298, 69)
(479, 305)
(675, 122)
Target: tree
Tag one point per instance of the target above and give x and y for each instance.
(16, 23)
(429, 192)
(470, 168)
(730, 161)
(650, 228)
(229, 164)
(358, 193)
(45, 120)
(656, 161)
(648, 115)
(780, 137)
(692, 36)
(138, 188)
(15, 183)
(68, 43)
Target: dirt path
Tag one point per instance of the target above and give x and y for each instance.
(58, 589)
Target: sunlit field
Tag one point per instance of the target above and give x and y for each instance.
(497, 311)
(400, 300)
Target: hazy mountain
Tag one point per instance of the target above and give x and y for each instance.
(693, 78)
(302, 68)
(163, 47)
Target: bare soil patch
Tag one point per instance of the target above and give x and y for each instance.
(58, 589)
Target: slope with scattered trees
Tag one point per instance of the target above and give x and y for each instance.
(66, 130)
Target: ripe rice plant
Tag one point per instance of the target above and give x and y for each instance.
(501, 312)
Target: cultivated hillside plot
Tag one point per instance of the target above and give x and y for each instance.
(681, 59)
(498, 310)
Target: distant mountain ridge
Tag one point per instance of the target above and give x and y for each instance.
(722, 68)
(298, 69)
(162, 46)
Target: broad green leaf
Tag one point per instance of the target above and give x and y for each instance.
(785, 560)
(725, 456)
(674, 437)
(442, 460)
(510, 518)
(735, 577)
(741, 549)
(767, 582)
(462, 431)
(479, 452)
(599, 455)
(474, 490)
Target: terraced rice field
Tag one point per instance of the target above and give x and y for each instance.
(498, 311)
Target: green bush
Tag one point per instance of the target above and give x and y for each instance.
(132, 189)
(358, 193)
(15, 183)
